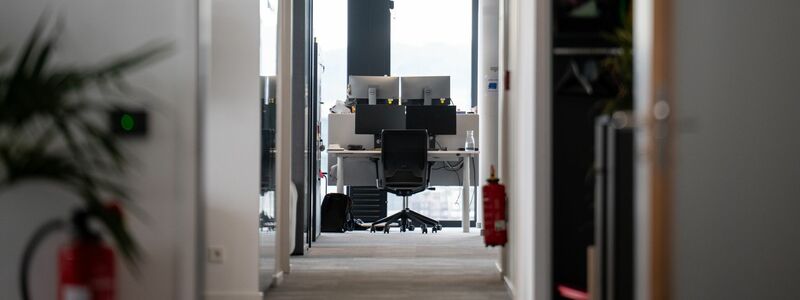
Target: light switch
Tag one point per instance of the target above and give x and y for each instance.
(216, 254)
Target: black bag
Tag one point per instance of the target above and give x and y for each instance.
(336, 213)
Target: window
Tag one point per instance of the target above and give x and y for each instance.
(269, 38)
(330, 29)
(428, 38)
(434, 38)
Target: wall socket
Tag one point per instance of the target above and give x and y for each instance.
(216, 254)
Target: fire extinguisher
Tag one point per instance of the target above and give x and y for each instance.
(494, 212)
(86, 265)
(86, 268)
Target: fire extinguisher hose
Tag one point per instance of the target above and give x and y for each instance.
(30, 248)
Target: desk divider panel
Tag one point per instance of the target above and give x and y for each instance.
(361, 171)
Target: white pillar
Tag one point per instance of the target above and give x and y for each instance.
(502, 64)
(283, 137)
(488, 45)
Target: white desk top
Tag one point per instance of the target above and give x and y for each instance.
(378, 152)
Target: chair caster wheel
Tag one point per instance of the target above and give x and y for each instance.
(411, 227)
(438, 227)
(424, 229)
(386, 228)
(372, 229)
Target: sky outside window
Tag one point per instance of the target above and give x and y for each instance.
(434, 38)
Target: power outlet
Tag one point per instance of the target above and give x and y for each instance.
(216, 254)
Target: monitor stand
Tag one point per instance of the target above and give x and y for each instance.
(373, 96)
(426, 96)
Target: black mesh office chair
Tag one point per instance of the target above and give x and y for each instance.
(404, 170)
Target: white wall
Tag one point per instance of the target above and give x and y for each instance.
(283, 142)
(163, 182)
(735, 226)
(643, 47)
(488, 41)
(231, 150)
(525, 148)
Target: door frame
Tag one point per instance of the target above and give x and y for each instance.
(654, 166)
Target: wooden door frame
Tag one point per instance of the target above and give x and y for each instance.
(653, 44)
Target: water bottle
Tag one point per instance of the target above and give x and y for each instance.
(469, 145)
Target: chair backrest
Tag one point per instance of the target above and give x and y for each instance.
(404, 160)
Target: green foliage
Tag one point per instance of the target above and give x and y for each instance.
(621, 67)
(51, 128)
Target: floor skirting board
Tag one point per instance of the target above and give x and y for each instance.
(277, 279)
(509, 286)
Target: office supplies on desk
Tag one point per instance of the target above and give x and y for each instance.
(355, 147)
(340, 108)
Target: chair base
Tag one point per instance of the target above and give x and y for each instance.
(406, 218)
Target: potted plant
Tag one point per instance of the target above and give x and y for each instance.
(51, 129)
(620, 67)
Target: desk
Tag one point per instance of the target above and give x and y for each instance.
(432, 156)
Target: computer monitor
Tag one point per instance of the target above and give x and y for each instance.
(425, 90)
(438, 120)
(373, 89)
(373, 119)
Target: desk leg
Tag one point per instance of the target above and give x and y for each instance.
(340, 174)
(465, 202)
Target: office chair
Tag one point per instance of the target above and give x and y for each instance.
(404, 170)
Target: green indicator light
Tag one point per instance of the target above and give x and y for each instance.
(127, 122)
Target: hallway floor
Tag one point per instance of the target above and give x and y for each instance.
(410, 265)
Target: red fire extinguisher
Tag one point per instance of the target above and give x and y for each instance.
(86, 265)
(494, 212)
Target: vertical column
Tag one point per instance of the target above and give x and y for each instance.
(488, 45)
(283, 155)
(368, 37)
(299, 112)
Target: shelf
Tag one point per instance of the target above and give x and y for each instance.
(589, 51)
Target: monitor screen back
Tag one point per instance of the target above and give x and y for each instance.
(412, 87)
(385, 87)
(372, 119)
(437, 120)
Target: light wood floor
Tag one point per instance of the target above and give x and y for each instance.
(410, 265)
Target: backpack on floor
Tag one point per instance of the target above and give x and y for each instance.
(335, 213)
